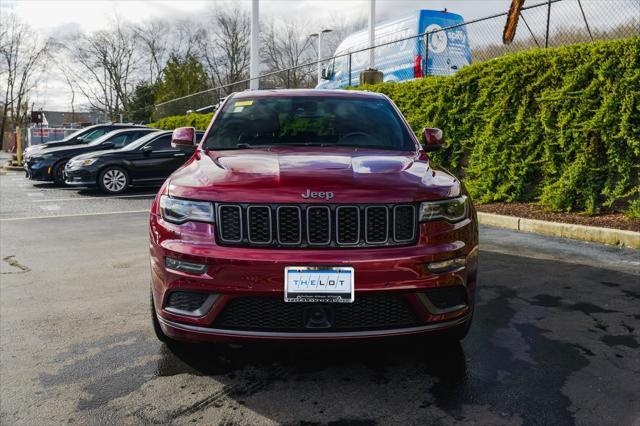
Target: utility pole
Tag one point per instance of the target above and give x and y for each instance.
(372, 34)
(371, 75)
(254, 47)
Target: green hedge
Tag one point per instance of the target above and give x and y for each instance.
(560, 126)
(199, 121)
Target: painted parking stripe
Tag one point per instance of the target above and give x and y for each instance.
(16, 219)
(35, 194)
(106, 197)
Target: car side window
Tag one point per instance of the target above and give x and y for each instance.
(119, 141)
(94, 135)
(161, 144)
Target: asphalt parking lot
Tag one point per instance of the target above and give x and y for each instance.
(555, 340)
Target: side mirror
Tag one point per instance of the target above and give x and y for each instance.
(147, 149)
(324, 74)
(107, 145)
(184, 138)
(432, 139)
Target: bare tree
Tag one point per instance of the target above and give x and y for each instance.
(106, 62)
(187, 36)
(226, 48)
(22, 56)
(154, 38)
(286, 45)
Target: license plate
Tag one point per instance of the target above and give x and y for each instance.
(324, 284)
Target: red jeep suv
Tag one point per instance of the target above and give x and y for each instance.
(311, 214)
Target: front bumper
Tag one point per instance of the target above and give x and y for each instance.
(38, 170)
(81, 176)
(235, 273)
(191, 333)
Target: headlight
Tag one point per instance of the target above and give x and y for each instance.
(452, 210)
(40, 157)
(78, 163)
(180, 211)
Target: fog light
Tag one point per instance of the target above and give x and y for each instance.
(182, 266)
(447, 265)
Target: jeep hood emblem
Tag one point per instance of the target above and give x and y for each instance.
(315, 194)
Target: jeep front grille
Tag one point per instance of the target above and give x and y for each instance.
(316, 225)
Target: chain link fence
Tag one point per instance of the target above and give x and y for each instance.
(441, 49)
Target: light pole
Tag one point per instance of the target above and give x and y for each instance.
(319, 35)
(254, 48)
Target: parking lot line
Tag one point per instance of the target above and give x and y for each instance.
(106, 197)
(16, 219)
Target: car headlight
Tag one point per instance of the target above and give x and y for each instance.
(40, 157)
(86, 162)
(179, 211)
(452, 210)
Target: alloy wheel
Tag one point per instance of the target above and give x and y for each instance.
(114, 180)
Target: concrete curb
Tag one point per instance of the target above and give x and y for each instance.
(7, 166)
(616, 237)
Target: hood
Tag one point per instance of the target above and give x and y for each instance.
(64, 149)
(284, 174)
(54, 144)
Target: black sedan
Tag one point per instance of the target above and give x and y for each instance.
(81, 137)
(146, 162)
(48, 164)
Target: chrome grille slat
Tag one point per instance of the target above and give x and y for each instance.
(316, 225)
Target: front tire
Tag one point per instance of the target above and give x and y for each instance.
(113, 180)
(58, 173)
(458, 332)
(156, 324)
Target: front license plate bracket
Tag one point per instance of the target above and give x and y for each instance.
(319, 284)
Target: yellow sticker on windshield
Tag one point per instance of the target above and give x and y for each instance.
(243, 103)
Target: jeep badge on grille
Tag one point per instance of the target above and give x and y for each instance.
(314, 194)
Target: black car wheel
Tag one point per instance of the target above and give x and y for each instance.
(113, 180)
(58, 173)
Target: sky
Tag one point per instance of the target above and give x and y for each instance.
(55, 18)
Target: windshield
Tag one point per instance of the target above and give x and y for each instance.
(141, 141)
(309, 121)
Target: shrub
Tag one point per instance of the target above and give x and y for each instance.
(199, 121)
(559, 126)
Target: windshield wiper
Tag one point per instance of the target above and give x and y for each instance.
(309, 144)
(244, 145)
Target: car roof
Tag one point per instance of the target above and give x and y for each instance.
(131, 129)
(284, 93)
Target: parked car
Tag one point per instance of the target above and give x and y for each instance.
(311, 214)
(448, 49)
(147, 161)
(82, 136)
(48, 164)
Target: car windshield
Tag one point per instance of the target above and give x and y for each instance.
(141, 141)
(309, 121)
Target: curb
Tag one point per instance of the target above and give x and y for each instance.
(594, 234)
